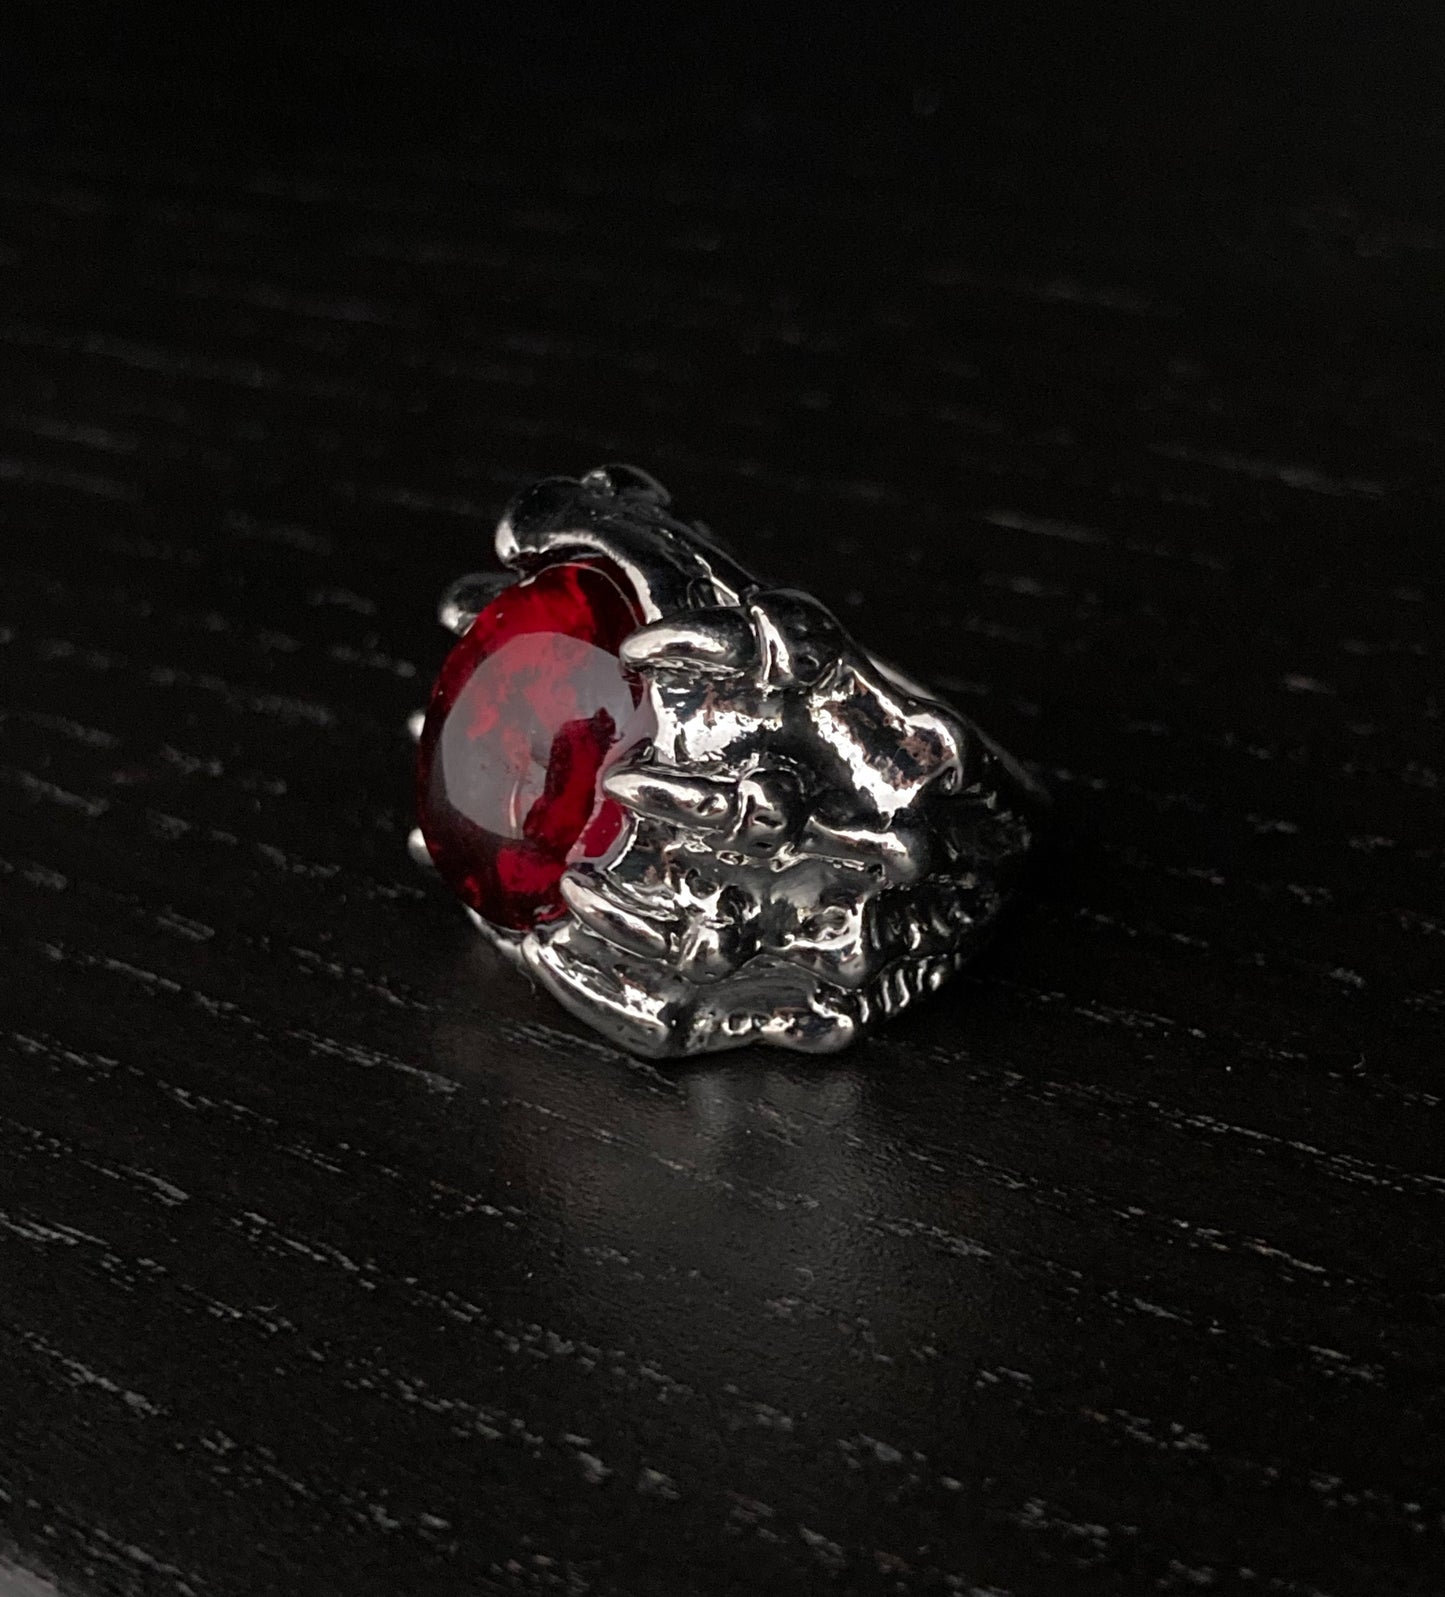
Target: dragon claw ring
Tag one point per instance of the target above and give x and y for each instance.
(688, 803)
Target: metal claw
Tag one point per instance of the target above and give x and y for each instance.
(698, 803)
(617, 478)
(620, 514)
(600, 912)
(643, 1011)
(468, 596)
(699, 640)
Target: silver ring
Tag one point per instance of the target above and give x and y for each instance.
(688, 803)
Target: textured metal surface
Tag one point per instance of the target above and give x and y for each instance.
(814, 841)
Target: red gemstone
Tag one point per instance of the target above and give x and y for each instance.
(529, 708)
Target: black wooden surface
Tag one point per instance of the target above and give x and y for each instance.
(1100, 379)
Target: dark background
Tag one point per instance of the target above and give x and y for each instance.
(1090, 364)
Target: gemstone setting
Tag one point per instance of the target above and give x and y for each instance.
(531, 706)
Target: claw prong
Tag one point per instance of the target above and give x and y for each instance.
(601, 913)
(616, 478)
(695, 803)
(698, 640)
(468, 596)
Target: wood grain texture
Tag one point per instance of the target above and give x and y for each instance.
(1103, 381)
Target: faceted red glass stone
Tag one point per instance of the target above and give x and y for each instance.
(529, 706)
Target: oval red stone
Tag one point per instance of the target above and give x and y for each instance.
(525, 714)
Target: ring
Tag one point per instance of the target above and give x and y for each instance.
(688, 803)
